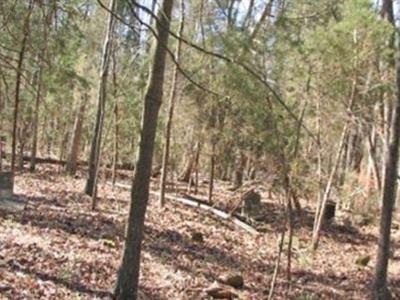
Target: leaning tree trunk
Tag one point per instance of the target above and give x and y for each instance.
(21, 56)
(128, 274)
(94, 158)
(171, 109)
(319, 215)
(320, 211)
(380, 289)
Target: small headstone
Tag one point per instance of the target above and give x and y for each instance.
(6, 185)
(251, 203)
(330, 211)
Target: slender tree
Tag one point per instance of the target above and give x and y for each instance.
(128, 275)
(73, 148)
(116, 119)
(40, 88)
(380, 290)
(171, 108)
(94, 157)
(21, 56)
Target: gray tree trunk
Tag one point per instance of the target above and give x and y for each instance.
(21, 56)
(380, 290)
(35, 124)
(94, 158)
(171, 108)
(73, 149)
(116, 120)
(128, 274)
(41, 90)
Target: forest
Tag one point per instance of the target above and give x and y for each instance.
(199, 149)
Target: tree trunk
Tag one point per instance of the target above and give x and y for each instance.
(72, 160)
(2, 102)
(372, 158)
(380, 289)
(171, 107)
(41, 91)
(322, 206)
(128, 275)
(116, 121)
(196, 169)
(21, 56)
(240, 162)
(188, 167)
(94, 157)
(22, 133)
(116, 134)
(212, 169)
(64, 136)
(32, 164)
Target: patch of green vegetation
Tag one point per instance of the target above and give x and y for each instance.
(64, 274)
(304, 260)
(306, 296)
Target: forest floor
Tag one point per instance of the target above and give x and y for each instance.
(57, 248)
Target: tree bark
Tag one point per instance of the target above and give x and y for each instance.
(188, 166)
(171, 108)
(21, 56)
(196, 168)
(94, 157)
(32, 164)
(372, 158)
(72, 160)
(128, 275)
(41, 90)
(240, 162)
(116, 121)
(380, 290)
(212, 169)
(321, 211)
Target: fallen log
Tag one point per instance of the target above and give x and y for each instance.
(52, 161)
(201, 205)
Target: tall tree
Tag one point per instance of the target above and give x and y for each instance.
(21, 56)
(40, 90)
(94, 157)
(128, 275)
(171, 108)
(73, 148)
(380, 290)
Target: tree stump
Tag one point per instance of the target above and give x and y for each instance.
(6, 185)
